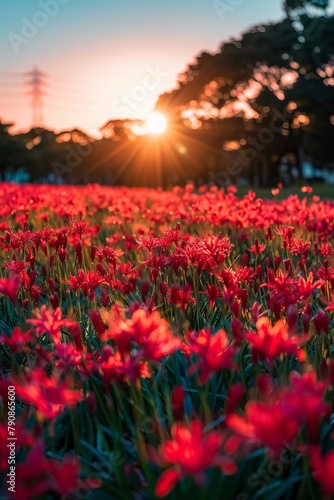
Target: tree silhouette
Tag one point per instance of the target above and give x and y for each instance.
(13, 154)
(302, 6)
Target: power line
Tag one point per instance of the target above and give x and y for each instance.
(67, 95)
(62, 94)
(70, 83)
(71, 109)
(63, 105)
(11, 84)
(11, 73)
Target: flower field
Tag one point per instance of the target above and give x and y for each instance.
(166, 344)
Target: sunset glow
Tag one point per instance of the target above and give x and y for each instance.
(156, 123)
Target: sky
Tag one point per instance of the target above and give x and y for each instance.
(109, 59)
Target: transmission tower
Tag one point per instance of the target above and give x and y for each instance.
(36, 83)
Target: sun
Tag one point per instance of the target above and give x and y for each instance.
(156, 123)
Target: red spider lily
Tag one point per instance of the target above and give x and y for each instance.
(122, 368)
(128, 274)
(305, 400)
(213, 293)
(181, 297)
(48, 394)
(51, 322)
(323, 466)
(155, 263)
(152, 335)
(178, 258)
(326, 250)
(286, 290)
(148, 243)
(272, 341)
(191, 452)
(16, 267)
(271, 425)
(232, 278)
(285, 232)
(148, 331)
(108, 254)
(35, 292)
(18, 340)
(81, 227)
(39, 475)
(67, 356)
(215, 353)
(173, 236)
(257, 247)
(18, 239)
(88, 282)
(9, 287)
(44, 237)
(326, 273)
(211, 251)
(299, 247)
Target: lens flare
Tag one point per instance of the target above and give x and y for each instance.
(156, 123)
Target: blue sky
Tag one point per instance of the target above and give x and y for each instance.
(96, 52)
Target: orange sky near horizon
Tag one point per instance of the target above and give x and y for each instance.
(108, 59)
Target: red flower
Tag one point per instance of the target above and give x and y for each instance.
(68, 356)
(191, 453)
(271, 341)
(51, 322)
(10, 287)
(48, 394)
(88, 283)
(286, 290)
(148, 331)
(269, 424)
(180, 297)
(80, 227)
(257, 247)
(215, 352)
(39, 475)
(323, 467)
(305, 400)
(213, 293)
(122, 368)
(209, 252)
(18, 340)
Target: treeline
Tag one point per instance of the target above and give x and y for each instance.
(258, 109)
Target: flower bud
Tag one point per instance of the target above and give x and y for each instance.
(321, 321)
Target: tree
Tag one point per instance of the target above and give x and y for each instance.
(302, 6)
(279, 78)
(13, 154)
